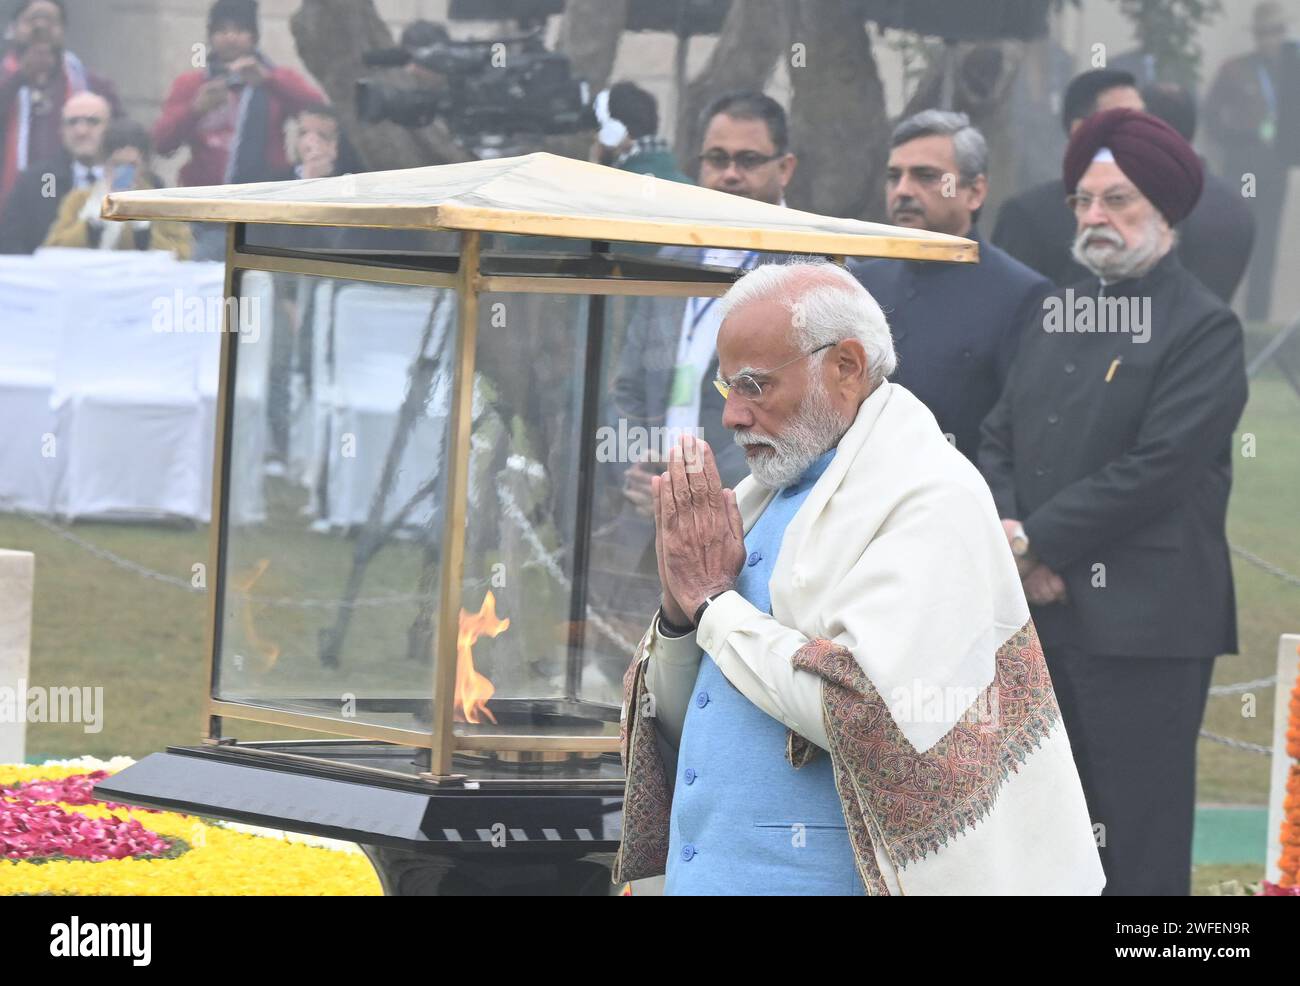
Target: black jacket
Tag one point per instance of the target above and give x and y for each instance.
(955, 329)
(1131, 475)
(1037, 228)
(29, 212)
(1214, 242)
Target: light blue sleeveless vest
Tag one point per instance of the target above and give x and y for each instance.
(743, 820)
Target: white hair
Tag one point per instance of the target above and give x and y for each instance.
(826, 303)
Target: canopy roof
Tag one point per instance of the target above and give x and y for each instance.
(539, 194)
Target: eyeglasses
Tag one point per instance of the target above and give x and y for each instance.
(745, 160)
(925, 177)
(1111, 202)
(90, 121)
(748, 387)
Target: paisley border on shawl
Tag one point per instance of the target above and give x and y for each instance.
(918, 802)
(647, 799)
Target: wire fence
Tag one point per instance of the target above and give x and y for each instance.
(547, 560)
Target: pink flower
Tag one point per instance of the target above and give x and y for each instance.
(33, 827)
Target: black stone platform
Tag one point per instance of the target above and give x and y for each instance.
(507, 829)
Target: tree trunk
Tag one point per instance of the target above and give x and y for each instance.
(839, 127)
(589, 35)
(753, 34)
(985, 75)
(331, 36)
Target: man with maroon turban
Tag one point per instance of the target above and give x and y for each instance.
(1109, 458)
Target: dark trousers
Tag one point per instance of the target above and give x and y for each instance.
(1133, 725)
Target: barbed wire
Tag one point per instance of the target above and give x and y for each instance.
(1237, 744)
(541, 557)
(105, 554)
(289, 602)
(1264, 565)
(1244, 686)
(510, 508)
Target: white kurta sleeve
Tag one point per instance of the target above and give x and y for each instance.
(670, 678)
(754, 651)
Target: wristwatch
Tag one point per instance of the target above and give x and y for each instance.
(670, 629)
(699, 613)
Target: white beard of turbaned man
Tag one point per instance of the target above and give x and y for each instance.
(1103, 252)
(815, 427)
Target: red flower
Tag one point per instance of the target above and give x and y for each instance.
(31, 827)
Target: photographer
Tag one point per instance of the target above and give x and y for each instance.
(231, 114)
(37, 76)
(126, 167)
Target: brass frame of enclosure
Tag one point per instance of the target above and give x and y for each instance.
(469, 283)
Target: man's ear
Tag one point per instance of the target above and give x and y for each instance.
(850, 364)
(788, 164)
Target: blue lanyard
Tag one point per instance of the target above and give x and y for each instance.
(701, 310)
(1266, 87)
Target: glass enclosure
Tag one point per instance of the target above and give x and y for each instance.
(332, 567)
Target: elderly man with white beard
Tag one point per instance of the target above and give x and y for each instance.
(1109, 456)
(842, 691)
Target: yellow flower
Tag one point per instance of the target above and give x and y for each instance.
(219, 861)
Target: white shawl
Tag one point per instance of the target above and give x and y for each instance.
(900, 641)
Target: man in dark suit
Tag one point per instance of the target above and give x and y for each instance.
(34, 202)
(954, 325)
(1109, 458)
(1035, 227)
(1214, 242)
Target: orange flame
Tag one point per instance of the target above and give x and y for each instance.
(266, 650)
(472, 689)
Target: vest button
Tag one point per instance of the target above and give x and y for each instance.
(688, 851)
(754, 558)
(690, 775)
(702, 699)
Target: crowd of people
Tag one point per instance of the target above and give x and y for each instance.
(66, 142)
(243, 118)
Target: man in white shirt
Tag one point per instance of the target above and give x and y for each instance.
(662, 383)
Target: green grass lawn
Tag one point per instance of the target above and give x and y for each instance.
(1264, 518)
(142, 640)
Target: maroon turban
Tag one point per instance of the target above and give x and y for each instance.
(1152, 154)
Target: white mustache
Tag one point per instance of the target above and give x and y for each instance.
(1103, 236)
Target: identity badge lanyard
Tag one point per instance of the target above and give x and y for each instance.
(686, 375)
(1267, 129)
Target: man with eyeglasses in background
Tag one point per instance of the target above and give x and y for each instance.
(955, 326)
(1109, 456)
(34, 203)
(663, 380)
(665, 370)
